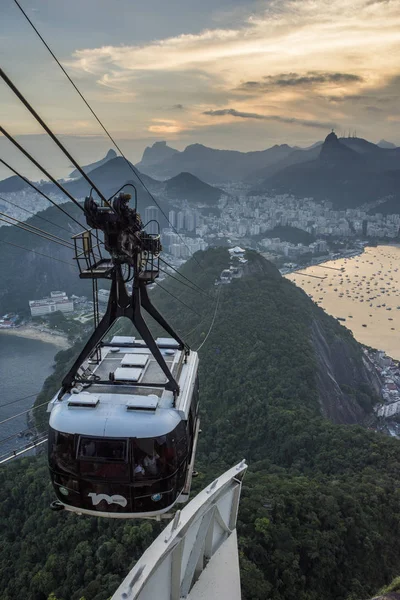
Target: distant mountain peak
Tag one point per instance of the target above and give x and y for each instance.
(109, 156)
(185, 185)
(156, 153)
(335, 153)
(332, 138)
(386, 144)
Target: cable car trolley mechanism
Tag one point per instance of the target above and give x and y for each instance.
(123, 428)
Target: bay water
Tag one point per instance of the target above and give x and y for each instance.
(24, 366)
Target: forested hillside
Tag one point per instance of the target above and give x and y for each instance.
(319, 516)
(26, 269)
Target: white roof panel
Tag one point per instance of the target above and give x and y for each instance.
(123, 339)
(135, 360)
(142, 402)
(83, 399)
(166, 342)
(126, 374)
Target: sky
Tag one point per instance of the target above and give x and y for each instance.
(240, 75)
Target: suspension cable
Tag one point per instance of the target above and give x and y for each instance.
(19, 399)
(18, 452)
(176, 298)
(181, 282)
(39, 232)
(25, 102)
(2, 199)
(212, 323)
(35, 162)
(33, 229)
(184, 277)
(35, 233)
(64, 191)
(24, 412)
(133, 169)
(196, 326)
(39, 253)
(14, 435)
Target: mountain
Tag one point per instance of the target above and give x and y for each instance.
(113, 174)
(186, 186)
(318, 517)
(215, 166)
(109, 177)
(155, 154)
(12, 184)
(385, 144)
(30, 275)
(109, 156)
(349, 172)
(295, 157)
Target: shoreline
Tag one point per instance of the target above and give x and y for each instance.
(33, 333)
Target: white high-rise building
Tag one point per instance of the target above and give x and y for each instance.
(151, 217)
(180, 221)
(172, 218)
(190, 220)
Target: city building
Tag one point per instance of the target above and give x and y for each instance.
(58, 301)
(180, 223)
(151, 219)
(190, 220)
(172, 218)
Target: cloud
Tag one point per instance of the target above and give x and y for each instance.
(285, 57)
(280, 119)
(311, 78)
(165, 126)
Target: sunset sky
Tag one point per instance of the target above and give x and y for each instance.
(228, 74)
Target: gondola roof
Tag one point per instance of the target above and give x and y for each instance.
(123, 408)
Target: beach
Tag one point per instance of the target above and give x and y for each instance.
(363, 291)
(42, 335)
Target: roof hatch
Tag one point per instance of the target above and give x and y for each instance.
(83, 400)
(142, 402)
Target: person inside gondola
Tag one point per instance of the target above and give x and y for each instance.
(89, 449)
(138, 469)
(150, 463)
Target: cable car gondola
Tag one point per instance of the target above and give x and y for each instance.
(123, 428)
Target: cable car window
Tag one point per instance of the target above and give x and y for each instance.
(154, 458)
(103, 458)
(61, 452)
(102, 449)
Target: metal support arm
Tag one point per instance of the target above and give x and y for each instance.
(120, 304)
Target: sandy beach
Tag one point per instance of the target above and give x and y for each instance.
(364, 291)
(34, 333)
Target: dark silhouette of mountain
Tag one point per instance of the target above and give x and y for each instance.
(378, 159)
(295, 157)
(186, 186)
(315, 145)
(109, 177)
(155, 154)
(335, 153)
(385, 144)
(114, 173)
(216, 166)
(12, 184)
(88, 168)
(349, 172)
